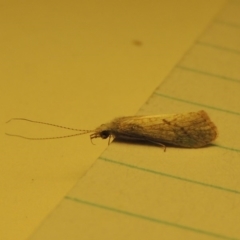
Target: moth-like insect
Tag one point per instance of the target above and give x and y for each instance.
(190, 130)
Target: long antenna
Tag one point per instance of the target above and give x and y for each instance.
(49, 124)
(46, 138)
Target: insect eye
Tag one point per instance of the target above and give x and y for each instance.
(104, 134)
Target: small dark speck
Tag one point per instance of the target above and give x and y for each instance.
(137, 43)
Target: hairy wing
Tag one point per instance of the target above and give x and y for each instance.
(193, 129)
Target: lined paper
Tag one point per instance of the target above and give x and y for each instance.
(137, 191)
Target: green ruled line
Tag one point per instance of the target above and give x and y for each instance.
(206, 44)
(230, 24)
(147, 218)
(169, 175)
(227, 148)
(196, 104)
(208, 74)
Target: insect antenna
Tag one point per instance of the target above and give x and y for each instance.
(81, 132)
(47, 138)
(45, 123)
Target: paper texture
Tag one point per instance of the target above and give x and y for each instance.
(137, 191)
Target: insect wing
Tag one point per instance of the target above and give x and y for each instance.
(193, 129)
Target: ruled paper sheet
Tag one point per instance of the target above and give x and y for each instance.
(137, 191)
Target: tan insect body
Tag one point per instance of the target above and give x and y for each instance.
(191, 130)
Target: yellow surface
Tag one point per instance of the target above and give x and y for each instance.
(77, 64)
